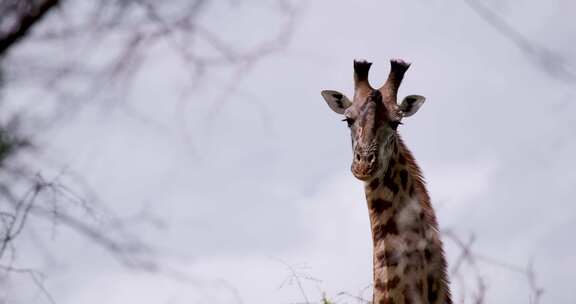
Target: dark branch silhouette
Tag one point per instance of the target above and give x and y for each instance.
(31, 32)
(28, 14)
(550, 62)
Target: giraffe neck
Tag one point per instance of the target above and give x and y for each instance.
(409, 264)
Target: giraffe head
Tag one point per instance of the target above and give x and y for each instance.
(373, 116)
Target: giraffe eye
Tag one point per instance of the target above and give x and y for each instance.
(349, 121)
(394, 125)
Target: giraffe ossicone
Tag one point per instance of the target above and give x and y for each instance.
(408, 259)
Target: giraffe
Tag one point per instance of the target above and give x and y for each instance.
(408, 259)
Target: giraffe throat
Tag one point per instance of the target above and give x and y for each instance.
(408, 260)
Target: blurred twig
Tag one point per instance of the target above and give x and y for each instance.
(550, 62)
(475, 262)
(96, 49)
(28, 14)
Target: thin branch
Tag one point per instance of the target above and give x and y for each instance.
(37, 278)
(27, 21)
(548, 61)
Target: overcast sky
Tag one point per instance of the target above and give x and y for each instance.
(263, 179)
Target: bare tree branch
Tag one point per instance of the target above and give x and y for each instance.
(34, 14)
(550, 62)
(96, 50)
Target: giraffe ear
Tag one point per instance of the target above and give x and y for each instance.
(337, 101)
(411, 104)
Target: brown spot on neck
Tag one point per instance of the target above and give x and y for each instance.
(379, 205)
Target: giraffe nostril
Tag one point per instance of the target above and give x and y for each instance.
(371, 158)
(358, 156)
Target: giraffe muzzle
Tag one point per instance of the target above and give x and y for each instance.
(364, 165)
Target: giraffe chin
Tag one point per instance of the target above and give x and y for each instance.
(363, 174)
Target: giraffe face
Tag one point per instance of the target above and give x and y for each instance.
(372, 128)
(373, 117)
(371, 131)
